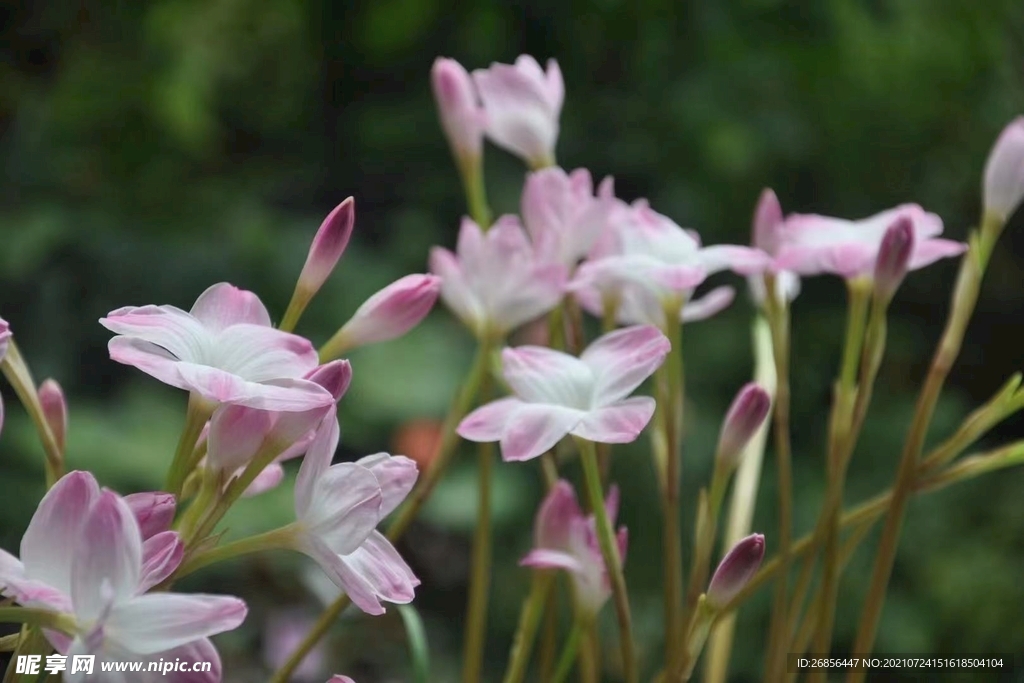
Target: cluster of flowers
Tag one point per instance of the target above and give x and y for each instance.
(95, 566)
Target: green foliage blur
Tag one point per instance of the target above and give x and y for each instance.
(152, 149)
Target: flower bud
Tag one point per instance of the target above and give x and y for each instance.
(5, 337)
(894, 257)
(388, 314)
(746, 415)
(55, 410)
(334, 377)
(153, 510)
(1003, 187)
(328, 246)
(462, 117)
(735, 570)
(767, 222)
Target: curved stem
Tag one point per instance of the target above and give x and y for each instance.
(569, 650)
(20, 377)
(529, 620)
(276, 539)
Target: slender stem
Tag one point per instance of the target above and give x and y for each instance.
(301, 296)
(610, 551)
(37, 617)
(209, 487)
(589, 661)
(31, 642)
(568, 657)
(529, 620)
(276, 539)
(965, 297)
(480, 573)
(17, 372)
(471, 170)
(671, 529)
(322, 625)
(199, 411)
(549, 634)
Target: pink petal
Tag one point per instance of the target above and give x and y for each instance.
(223, 305)
(153, 510)
(1003, 186)
(335, 377)
(268, 479)
(542, 558)
(541, 375)
(556, 517)
(198, 651)
(150, 358)
(236, 435)
(156, 622)
(108, 557)
(354, 584)
(260, 353)
(396, 475)
(461, 115)
(393, 311)
(48, 546)
(715, 301)
(847, 260)
(620, 361)
(522, 108)
(930, 251)
(168, 327)
(345, 508)
(161, 556)
(536, 292)
(288, 395)
(456, 291)
(489, 421)
(742, 260)
(316, 463)
(767, 222)
(377, 561)
(328, 245)
(28, 593)
(338, 678)
(620, 422)
(535, 429)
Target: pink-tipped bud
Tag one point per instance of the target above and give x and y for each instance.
(153, 510)
(746, 415)
(767, 222)
(392, 311)
(735, 570)
(55, 410)
(894, 257)
(461, 115)
(1003, 187)
(5, 337)
(328, 246)
(334, 377)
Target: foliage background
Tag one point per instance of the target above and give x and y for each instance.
(152, 149)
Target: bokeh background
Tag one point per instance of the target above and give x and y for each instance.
(152, 149)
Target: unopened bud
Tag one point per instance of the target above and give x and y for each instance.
(746, 415)
(153, 510)
(1003, 187)
(328, 245)
(735, 570)
(334, 377)
(5, 337)
(894, 257)
(55, 411)
(462, 116)
(767, 222)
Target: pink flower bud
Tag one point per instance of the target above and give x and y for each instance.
(767, 221)
(392, 311)
(55, 410)
(746, 415)
(328, 246)
(735, 570)
(5, 337)
(153, 510)
(894, 257)
(462, 117)
(1003, 187)
(334, 377)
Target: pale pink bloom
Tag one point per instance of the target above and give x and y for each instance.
(557, 394)
(153, 510)
(767, 228)
(565, 538)
(1003, 187)
(495, 282)
(338, 509)
(735, 570)
(747, 413)
(328, 245)
(563, 216)
(648, 262)
(224, 349)
(284, 631)
(55, 410)
(523, 104)
(391, 312)
(462, 115)
(83, 554)
(5, 340)
(812, 245)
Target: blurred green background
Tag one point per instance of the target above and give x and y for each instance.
(152, 149)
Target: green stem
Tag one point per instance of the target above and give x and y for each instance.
(965, 298)
(276, 539)
(568, 657)
(471, 170)
(480, 573)
(529, 620)
(671, 424)
(610, 551)
(301, 297)
(198, 413)
(590, 671)
(17, 372)
(38, 617)
(549, 633)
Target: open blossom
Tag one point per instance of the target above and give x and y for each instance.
(565, 538)
(224, 349)
(1003, 187)
(85, 556)
(338, 509)
(812, 245)
(563, 216)
(557, 394)
(462, 115)
(523, 104)
(767, 228)
(646, 262)
(495, 281)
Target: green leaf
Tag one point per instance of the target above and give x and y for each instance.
(417, 637)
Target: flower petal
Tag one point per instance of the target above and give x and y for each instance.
(542, 375)
(287, 395)
(930, 251)
(155, 622)
(150, 358)
(317, 462)
(355, 585)
(161, 555)
(345, 508)
(456, 291)
(489, 421)
(622, 360)
(235, 436)
(556, 517)
(620, 422)
(260, 353)
(396, 475)
(377, 561)
(268, 479)
(715, 301)
(223, 305)
(542, 558)
(108, 557)
(153, 510)
(168, 327)
(535, 429)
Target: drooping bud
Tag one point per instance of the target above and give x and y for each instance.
(735, 570)
(894, 258)
(458, 106)
(153, 510)
(746, 415)
(55, 410)
(1003, 186)
(388, 314)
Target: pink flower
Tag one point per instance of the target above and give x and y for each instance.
(557, 394)
(647, 262)
(495, 282)
(565, 538)
(462, 116)
(747, 413)
(563, 216)
(523, 104)
(55, 410)
(1003, 187)
(328, 245)
(223, 349)
(338, 509)
(735, 570)
(388, 314)
(767, 231)
(153, 510)
(812, 245)
(84, 554)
